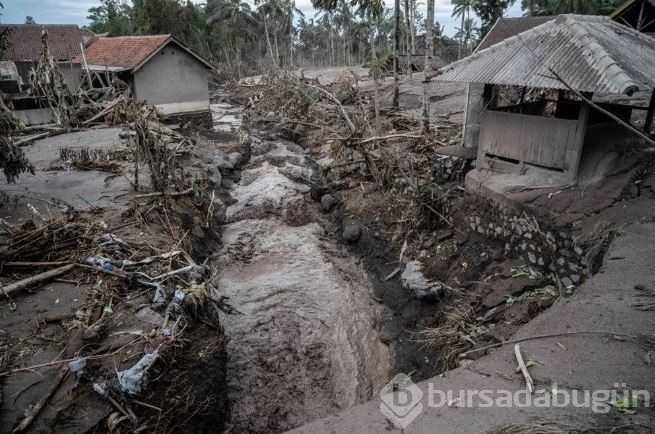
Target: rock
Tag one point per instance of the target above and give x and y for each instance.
(227, 183)
(90, 334)
(234, 158)
(327, 202)
(216, 176)
(575, 278)
(444, 235)
(222, 164)
(428, 243)
(146, 314)
(316, 192)
(461, 238)
(413, 279)
(352, 231)
(567, 282)
(502, 289)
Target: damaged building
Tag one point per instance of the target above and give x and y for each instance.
(65, 42)
(159, 69)
(532, 116)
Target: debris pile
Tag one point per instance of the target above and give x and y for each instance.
(144, 309)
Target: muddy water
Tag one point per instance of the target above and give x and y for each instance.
(306, 345)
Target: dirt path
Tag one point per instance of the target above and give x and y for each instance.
(306, 344)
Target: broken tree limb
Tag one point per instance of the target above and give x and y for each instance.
(26, 140)
(46, 275)
(36, 409)
(392, 136)
(524, 369)
(73, 345)
(102, 112)
(161, 193)
(552, 335)
(343, 111)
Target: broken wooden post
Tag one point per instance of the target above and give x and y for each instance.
(649, 113)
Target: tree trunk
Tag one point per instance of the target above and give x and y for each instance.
(461, 37)
(268, 42)
(429, 52)
(376, 97)
(277, 51)
(408, 38)
(396, 55)
(413, 27)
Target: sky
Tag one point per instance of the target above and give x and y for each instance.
(75, 11)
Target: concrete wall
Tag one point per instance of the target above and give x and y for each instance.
(71, 73)
(173, 81)
(473, 114)
(35, 116)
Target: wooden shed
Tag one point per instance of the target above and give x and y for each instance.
(533, 108)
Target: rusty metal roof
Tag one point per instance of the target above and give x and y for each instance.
(506, 27)
(590, 53)
(25, 41)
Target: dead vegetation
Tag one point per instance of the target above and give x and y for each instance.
(175, 302)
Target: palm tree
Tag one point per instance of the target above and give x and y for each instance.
(429, 52)
(396, 54)
(468, 33)
(240, 22)
(462, 10)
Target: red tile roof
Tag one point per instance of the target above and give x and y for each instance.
(25, 41)
(124, 51)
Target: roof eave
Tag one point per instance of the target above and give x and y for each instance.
(179, 44)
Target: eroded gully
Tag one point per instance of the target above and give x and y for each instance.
(306, 342)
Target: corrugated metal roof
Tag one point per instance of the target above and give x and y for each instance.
(507, 27)
(592, 54)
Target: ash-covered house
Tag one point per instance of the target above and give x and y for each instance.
(159, 69)
(64, 43)
(531, 119)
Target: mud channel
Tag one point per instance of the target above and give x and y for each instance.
(305, 343)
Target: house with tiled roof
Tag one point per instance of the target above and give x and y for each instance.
(158, 68)
(64, 43)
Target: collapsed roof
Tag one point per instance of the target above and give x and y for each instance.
(589, 53)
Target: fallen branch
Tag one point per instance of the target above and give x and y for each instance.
(35, 264)
(72, 347)
(524, 369)
(343, 111)
(36, 409)
(553, 335)
(392, 136)
(47, 275)
(26, 140)
(161, 193)
(102, 112)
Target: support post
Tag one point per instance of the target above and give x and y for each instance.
(649, 114)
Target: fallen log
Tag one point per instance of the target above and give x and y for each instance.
(47, 275)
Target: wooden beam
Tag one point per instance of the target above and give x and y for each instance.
(649, 113)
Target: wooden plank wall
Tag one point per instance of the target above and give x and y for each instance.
(532, 139)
